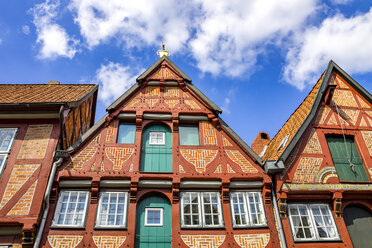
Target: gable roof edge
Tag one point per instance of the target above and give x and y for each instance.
(204, 97)
(240, 141)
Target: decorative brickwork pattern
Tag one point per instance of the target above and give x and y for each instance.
(313, 145)
(35, 143)
(252, 240)
(367, 136)
(131, 168)
(132, 102)
(152, 91)
(77, 162)
(203, 241)
(118, 156)
(20, 174)
(328, 186)
(341, 83)
(22, 207)
(229, 169)
(186, 95)
(209, 134)
(157, 74)
(218, 169)
(332, 120)
(322, 115)
(225, 141)
(168, 74)
(172, 92)
(110, 133)
(199, 158)
(363, 104)
(192, 104)
(369, 113)
(172, 103)
(307, 170)
(352, 115)
(344, 98)
(325, 173)
(239, 159)
(64, 241)
(151, 101)
(363, 122)
(109, 241)
(180, 169)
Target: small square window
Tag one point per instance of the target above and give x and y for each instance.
(189, 135)
(126, 133)
(71, 209)
(157, 138)
(312, 222)
(153, 217)
(112, 210)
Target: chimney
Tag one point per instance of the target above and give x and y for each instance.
(53, 82)
(259, 143)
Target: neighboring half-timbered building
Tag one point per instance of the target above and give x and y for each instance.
(161, 169)
(321, 160)
(34, 119)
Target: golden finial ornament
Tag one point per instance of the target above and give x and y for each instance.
(163, 52)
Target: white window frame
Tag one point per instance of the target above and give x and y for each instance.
(59, 204)
(201, 210)
(6, 153)
(161, 216)
(157, 143)
(312, 226)
(99, 210)
(247, 210)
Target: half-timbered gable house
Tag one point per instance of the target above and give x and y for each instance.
(161, 169)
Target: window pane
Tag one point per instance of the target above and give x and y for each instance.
(71, 208)
(127, 133)
(112, 209)
(189, 135)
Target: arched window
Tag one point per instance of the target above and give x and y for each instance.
(156, 153)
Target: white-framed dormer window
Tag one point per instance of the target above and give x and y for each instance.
(6, 141)
(157, 138)
(247, 209)
(71, 209)
(112, 210)
(153, 216)
(312, 222)
(201, 209)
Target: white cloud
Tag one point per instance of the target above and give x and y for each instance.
(347, 41)
(341, 1)
(53, 38)
(136, 23)
(226, 102)
(231, 34)
(115, 79)
(26, 29)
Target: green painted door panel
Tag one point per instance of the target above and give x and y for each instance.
(359, 225)
(153, 236)
(156, 158)
(340, 150)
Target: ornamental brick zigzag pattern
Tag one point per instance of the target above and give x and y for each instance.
(171, 103)
(352, 115)
(35, 143)
(151, 101)
(200, 158)
(363, 104)
(252, 240)
(132, 102)
(225, 141)
(118, 156)
(108, 241)
(307, 169)
(367, 136)
(344, 98)
(77, 162)
(313, 145)
(171, 92)
(20, 174)
(239, 159)
(203, 241)
(110, 133)
(209, 134)
(192, 104)
(322, 115)
(152, 91)
(64, 241)
(22, 207)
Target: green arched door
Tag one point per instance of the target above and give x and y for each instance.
(156, 153)
(153, 223)
(359, 225)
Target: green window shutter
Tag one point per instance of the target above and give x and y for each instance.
(127, 133)
(189, 135)
(156, 158)
(341, 151)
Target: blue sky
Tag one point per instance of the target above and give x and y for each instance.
(257, 60)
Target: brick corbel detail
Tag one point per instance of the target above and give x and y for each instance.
(181, 84)
(139, 121)
(54, 193)
(337, 204)
(94, 191)
(282, 205)
(175, 122)
(133, 192)
(225, 192)
(214, 120)
(266, 191)
(176, 192)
